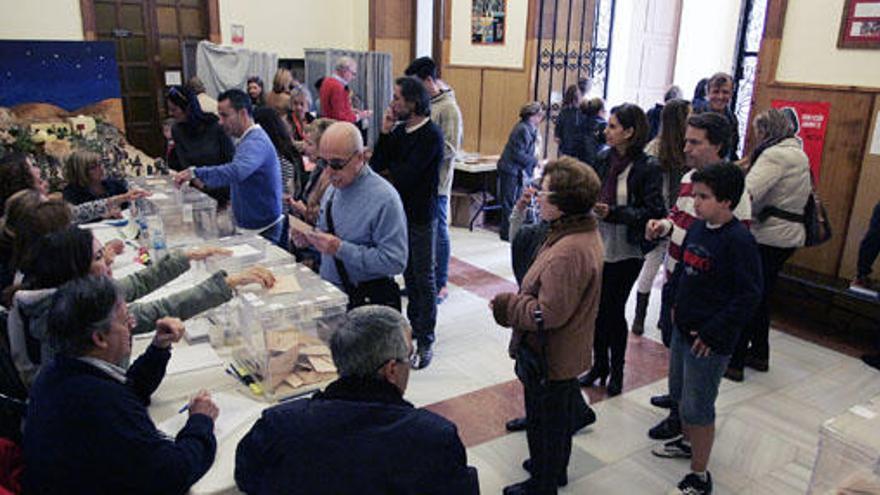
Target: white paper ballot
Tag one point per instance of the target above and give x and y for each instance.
(235, 410)
(240, 250)
(192, 358)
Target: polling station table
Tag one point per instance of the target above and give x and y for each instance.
(476, 173)
(262, 347)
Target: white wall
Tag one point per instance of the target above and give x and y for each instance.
(288, 27)
(424, 28)
(809, 52)
(40, 20)
(707, 40)
(620, 55)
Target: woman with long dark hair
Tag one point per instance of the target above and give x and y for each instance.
(292, 171)
(570, 130)
(631, 195)
(668, 148)
(199, 140)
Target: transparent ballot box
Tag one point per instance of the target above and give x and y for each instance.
(848, 461)
(188, 215)
(284, 331)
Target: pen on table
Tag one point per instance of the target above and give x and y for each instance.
(184, 408)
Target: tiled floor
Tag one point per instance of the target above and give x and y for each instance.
(768, 426)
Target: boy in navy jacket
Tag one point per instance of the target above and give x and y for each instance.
(715, 289)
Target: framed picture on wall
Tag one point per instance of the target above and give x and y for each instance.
(488, 33)
(488, 22)
(860, 24)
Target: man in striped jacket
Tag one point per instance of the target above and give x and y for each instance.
(705, 142)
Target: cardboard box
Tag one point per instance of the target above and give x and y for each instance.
(464, 205)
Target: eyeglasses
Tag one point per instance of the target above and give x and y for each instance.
(544, 194)
(339, 164)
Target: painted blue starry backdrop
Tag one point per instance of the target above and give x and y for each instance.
(69, 74)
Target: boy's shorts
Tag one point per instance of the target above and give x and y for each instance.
(694, 381)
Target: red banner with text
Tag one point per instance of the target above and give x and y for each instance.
(812, 121)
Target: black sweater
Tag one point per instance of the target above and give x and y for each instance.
(717, 286)
(88, 433)
(413, 159)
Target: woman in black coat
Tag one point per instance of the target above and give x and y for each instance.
(631, 195)
(199, 140)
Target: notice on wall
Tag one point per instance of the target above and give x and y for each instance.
(812, 122)
(237, 34)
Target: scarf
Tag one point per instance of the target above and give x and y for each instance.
(767, 143)
(609, 187)
(567, 225)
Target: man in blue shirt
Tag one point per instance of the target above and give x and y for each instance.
(253, 175)
(361, 231)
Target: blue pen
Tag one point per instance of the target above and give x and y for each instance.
(183, 409)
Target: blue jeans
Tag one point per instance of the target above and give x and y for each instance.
(441, 247)
(694, 381)
(421, 290)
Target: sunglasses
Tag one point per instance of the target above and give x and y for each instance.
(338, 163)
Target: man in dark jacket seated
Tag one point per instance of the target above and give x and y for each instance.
(87, 427)
(359, 435)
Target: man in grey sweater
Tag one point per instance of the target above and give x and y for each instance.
(446, 114)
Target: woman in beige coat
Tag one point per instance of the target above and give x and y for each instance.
(778, 180)
(553, 318)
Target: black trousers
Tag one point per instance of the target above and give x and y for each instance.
(755, 337)
(549, 409)
(609, 343)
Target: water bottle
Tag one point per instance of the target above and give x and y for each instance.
(158, 246)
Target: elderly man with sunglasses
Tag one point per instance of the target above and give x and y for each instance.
(361, 231)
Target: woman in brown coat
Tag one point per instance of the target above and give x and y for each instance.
(553, 318)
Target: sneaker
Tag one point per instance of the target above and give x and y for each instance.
(694, 485)
(667, 429)
(864, 287)
(675, 449)
(422, 357)
(734, 375)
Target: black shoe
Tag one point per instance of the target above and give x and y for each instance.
(594, 374)
(522, 488)
(667, 429)
(561, 480)
(422, 357)
(638, 325)
(615, 384)
(585, 420)
(675, 449)
(872, 360)
(516, 424)
(757, 364)
(662, 401)
(734, 375)
(694, 485)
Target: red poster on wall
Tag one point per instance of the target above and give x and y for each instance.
(812, 118)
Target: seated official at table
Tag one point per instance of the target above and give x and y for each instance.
(87, 427)
(359, 435)
(75, 253)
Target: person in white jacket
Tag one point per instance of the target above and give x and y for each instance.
(779, 184)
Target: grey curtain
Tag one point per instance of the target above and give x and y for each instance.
(374, 84)
(226, 67)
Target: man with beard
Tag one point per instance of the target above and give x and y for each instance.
(87, 427)
(410, 150)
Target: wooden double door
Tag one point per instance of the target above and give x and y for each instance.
(149, 37)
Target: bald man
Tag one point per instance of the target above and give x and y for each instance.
(361, 231)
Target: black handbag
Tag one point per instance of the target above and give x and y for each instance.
(531, 365)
